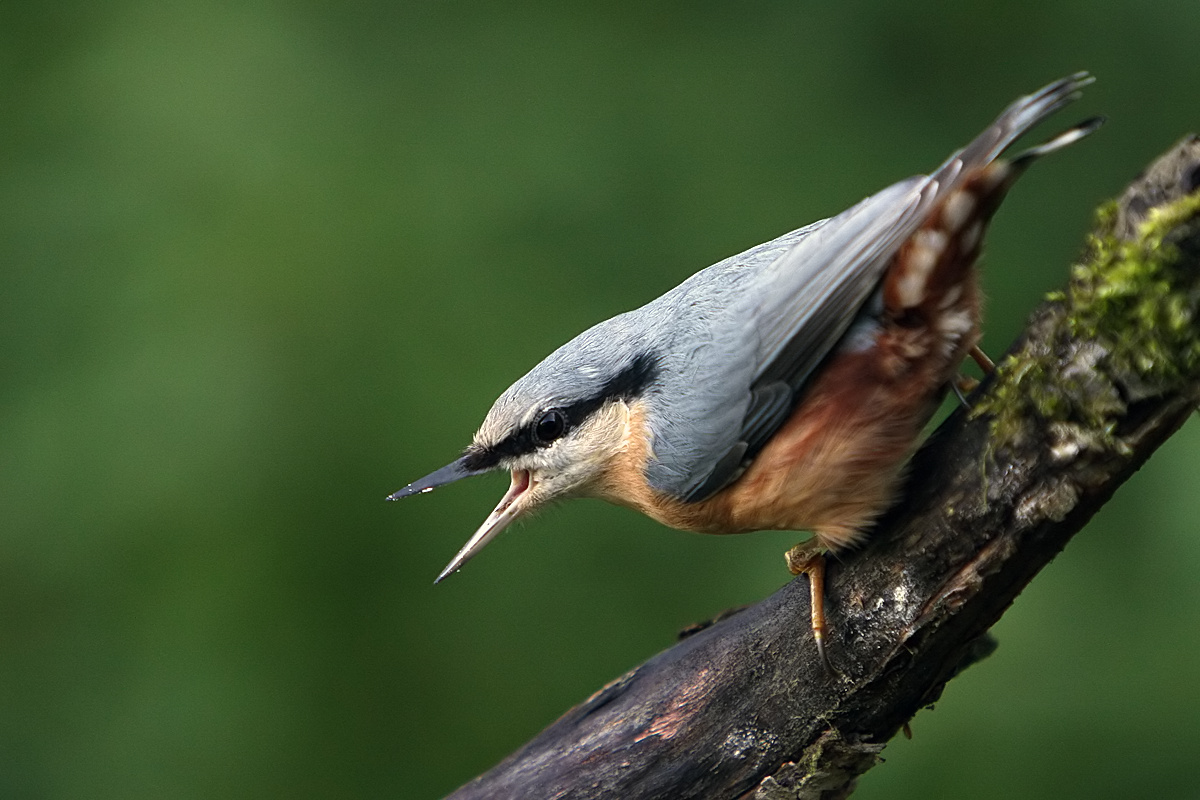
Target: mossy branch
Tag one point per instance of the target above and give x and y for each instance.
(1106, 370)
(1130, 303)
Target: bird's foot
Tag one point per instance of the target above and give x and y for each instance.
(962, 386)
(981, 358)
(809, 559)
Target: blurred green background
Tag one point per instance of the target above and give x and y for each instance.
(265, 263)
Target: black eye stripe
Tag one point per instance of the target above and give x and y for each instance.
(629, 383)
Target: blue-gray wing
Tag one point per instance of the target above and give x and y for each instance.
(802, 293)
(801, 302)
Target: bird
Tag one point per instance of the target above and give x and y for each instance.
(782, 388)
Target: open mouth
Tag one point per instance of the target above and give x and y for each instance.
(522, 481)
(509, 508)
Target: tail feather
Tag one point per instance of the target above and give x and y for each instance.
(1067, 137)
(1015, 120)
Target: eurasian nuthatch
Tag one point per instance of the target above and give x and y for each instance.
(780, 389)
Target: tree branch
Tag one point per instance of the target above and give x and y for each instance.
(1105, 372)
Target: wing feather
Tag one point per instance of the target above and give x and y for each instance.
(804, 301)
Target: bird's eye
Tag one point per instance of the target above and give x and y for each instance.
(549, 427)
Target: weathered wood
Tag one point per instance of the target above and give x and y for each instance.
(743, 708)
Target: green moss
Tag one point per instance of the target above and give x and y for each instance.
(1128, 315)
(1128, 295)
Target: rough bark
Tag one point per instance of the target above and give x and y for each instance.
(1105, 372)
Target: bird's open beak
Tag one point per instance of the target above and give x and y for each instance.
(514, 503)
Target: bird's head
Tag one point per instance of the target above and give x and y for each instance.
(557, 431)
